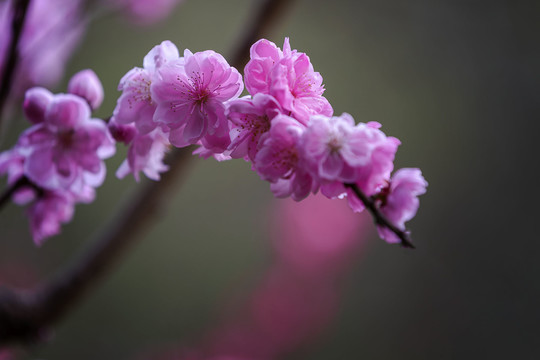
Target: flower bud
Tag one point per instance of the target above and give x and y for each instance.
(35, 103)
(86, 84)
(122, 133)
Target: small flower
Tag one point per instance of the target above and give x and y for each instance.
(47, 214)
(136, 104)
(399, 200)
(335, 147)
(190, 95)
(250, 120)
(279, 162)
(338, 152)
(87, 85)
(66, 149)
(289, 77)
(146, 153)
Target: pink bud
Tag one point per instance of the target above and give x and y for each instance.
(36, 101)
(86, 84)
(122, 133)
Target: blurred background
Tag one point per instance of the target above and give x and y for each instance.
(456, 81)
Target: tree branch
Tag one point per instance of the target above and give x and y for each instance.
(10, 62)
(379, 218)
(25, 317)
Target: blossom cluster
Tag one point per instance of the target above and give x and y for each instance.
(285, 127)
(58, 162)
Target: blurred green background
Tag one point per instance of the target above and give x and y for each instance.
(455, 81)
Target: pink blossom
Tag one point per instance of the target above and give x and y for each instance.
(146, 153)
(136, 104)
(399, 202)
(51, 31)
(190, 94)
(279, 162)
(335, 147)
(48, 212)
(264, 54)
(67, 149)
(250, 119)
(87, 85)
(289, 77)
(338, 152)
(48, 209)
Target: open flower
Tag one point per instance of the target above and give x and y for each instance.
(48, 212)
(279, 161)
(136, 105)
(146, 153)
(335, 147)
(67, 149)
(250, 120)
(399, 201)
(289, 77)
(190, 94)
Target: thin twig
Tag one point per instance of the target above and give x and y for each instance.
(379, 218)
(10, 66)
(22, 182)
(26, 317)
(6, 195)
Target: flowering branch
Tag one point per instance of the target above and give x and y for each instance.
(379, 218)
(25, 317)
(17, 24)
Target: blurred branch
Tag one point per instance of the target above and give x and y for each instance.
(262, 22)
(379, 218)
(12, 55)
(25, 317)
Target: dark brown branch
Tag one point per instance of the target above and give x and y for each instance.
(6, 195)
(25, 317)
(22, 182)
(10, 62)
(379, 218)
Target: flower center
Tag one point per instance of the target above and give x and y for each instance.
(65, 138)
(335, 144)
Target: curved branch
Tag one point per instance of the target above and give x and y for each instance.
(379, 218)
(25, 317)
(10, 62)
